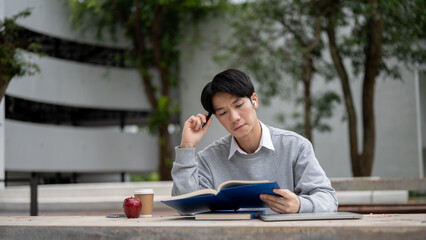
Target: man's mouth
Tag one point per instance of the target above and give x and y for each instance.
(238, 127)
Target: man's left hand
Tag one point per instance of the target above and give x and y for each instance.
(287, 202)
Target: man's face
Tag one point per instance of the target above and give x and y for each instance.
(236, 114)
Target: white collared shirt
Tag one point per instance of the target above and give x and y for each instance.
(265, 141)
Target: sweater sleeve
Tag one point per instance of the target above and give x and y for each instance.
(311, 183)
(189, 172)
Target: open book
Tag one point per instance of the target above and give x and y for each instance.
(230, 195)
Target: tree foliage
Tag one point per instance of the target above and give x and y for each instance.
(379, 31)
(402, 38)
(154, 29)
(276, 40)
(12, 61)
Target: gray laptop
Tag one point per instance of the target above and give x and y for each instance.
(310, 216)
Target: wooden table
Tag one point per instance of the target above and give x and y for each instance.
(395, 226)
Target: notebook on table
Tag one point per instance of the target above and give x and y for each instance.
(310, 216)
(228, 215)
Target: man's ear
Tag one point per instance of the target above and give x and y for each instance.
(254, 99)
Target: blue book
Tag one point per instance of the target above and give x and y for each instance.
(231, 195)
(229, 215)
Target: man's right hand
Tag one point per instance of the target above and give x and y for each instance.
(192, 132)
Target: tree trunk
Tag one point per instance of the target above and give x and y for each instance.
(165, 155)
(165, 144)
(362, 164)
(350, 108)
(307, 78)
(5, 77)
(308, 67)
(373, 55)
(139, 43)
(3, 86)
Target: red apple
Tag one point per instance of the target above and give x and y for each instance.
(132, 207)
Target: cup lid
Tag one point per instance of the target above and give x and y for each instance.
(144, 191)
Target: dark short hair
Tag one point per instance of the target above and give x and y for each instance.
(231, 81)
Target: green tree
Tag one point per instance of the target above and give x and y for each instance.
(279, 42)
(12, 61)
(380, 31)
(154, 28)
(276, 39)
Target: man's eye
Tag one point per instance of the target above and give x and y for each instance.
(238, 106)
(222, 113)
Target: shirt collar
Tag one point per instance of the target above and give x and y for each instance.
(265, 141)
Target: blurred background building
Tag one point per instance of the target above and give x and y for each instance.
(75, 120)
(82, 117)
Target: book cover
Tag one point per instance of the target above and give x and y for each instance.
(228, 215)
(231, 195)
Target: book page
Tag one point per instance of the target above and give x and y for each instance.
(201, 192)
(235, 183)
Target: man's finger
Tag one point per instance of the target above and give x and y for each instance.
(277, 204)
(207, 125)
(202, 117)
(271, 198)
(283, 192)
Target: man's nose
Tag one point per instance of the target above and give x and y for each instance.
(234, 115)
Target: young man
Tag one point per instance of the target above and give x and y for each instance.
(252, 151)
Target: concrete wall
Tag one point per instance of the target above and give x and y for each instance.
(45, 148)
(422, 94)
(396, 153)
(77, 84)
(2, 147)
(397, 144)
(2, 160)
(422, 115)
(52, 18)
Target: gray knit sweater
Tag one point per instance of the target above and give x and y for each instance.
(293, 165)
